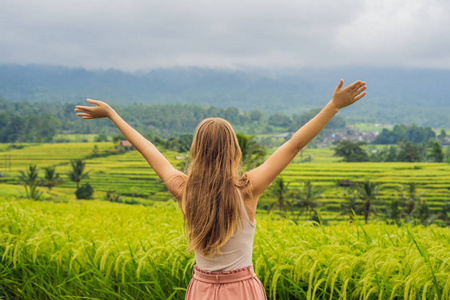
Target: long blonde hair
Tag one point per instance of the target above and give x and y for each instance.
(210, 200)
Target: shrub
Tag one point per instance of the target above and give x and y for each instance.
(84, 192)
(112, 196)
(131, 201)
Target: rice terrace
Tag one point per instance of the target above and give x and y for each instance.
(125, 241)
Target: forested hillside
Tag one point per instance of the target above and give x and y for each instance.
(41, 121)
(395, 96)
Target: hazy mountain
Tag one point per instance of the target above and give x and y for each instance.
(395, 95)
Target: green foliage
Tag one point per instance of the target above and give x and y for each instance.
(51, 178)
(406, 151)
(280, 190)
(180, 144)
(30, 182)
(410, 152)
(89, 251)
(388, 154)
(77, 173)
(101, 138)
(279, 120)
(298, 120)
(112, 196)
(95, 151)
(351, 151)
(410, 199)
(306, 200)
(368, 192)
(411, 133)
(118, 138)
(351, 203)
(253, 153)
(444, 214)
(33, 127)
(434, 152)
(23, 122)
(30, 176)
(84, 192)
(393, 211)
(130, 175)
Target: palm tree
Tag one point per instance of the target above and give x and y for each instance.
(30, 182)
(393, 211)
(253, 153)
(445, 214)
(410, 199)
(77, 173)
(306, 199)
(51, 178)
(351, 203)
(30, 176)
(423, 213)
(280, 189)
(368, 191)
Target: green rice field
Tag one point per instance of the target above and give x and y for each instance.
(62, 248)
(101, 250)
(130, 175)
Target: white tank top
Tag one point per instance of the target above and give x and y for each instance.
(237, 251)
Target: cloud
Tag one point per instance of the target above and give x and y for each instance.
(402, 32)
(138, 34)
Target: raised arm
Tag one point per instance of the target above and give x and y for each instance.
(155, 158)
(262, 176)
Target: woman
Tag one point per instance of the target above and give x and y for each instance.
(218, 205)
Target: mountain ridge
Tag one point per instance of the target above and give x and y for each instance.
(395, 95)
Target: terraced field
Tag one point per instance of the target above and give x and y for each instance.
(126, 173)
(129, 174)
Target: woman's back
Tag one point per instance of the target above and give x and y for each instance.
(237, 252)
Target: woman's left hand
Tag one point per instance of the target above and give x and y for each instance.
(343, 97)
(100, 110)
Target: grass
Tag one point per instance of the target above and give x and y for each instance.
(98, 250)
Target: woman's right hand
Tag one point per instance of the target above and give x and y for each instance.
(343, 97)
(100, 110)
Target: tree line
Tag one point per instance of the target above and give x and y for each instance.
(404, 151)
(41, 122)
(411, 133)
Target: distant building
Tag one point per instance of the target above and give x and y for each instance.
(124, 146)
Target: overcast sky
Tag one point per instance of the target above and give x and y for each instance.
(143, 34)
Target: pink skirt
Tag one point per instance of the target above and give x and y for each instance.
(236, 284)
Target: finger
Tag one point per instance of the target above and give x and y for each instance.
(358, 89)
(82, 114)
(352, 86)
(88, 117)
(93, 101)
(83, 108)
(359, 96)
(362, 88)
(340, 84)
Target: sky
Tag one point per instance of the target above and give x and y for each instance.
(138, 35)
